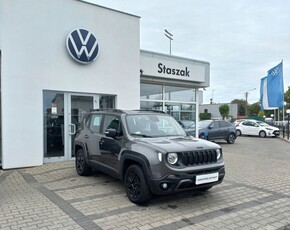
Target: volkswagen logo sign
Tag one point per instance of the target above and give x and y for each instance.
(82, 45)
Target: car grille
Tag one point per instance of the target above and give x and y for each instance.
(198, 157)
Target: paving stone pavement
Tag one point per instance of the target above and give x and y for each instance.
(255, 194)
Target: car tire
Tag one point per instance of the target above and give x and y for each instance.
(231, 138)
(262, 134)
(136, 186)
(239, 133)
(82, 168)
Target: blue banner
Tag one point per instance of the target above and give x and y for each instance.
(275, 87)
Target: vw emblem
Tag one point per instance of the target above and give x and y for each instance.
(82, 45)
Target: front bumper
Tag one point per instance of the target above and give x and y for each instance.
(183, 181)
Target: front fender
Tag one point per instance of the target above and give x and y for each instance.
(128, 158)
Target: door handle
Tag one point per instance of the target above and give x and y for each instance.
(86, 136)
(72, 129)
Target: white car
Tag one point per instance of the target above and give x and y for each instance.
(256, 128)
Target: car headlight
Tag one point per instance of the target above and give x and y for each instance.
(219, 154)
(172, 158)
(269, 129)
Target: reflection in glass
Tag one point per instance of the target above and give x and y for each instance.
(150, 91)
(80, 105)
(150, 105)
(53, 117)
(180, 111)
(173, 93)
(107, 102)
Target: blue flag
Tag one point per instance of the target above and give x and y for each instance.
(275, 87)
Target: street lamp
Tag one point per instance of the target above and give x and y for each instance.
(169, 35)
(211, 100)
(247, 94)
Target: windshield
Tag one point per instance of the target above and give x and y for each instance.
(262, 123)
(204, 124)
(153, 125)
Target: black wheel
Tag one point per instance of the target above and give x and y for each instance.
(262, 134)
(136, 186)
(239, 133)
(231, 138)
(81, 165)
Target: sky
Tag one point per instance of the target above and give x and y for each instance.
(241, 39)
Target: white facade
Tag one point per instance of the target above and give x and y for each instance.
(213, 109)
(34, 58)
(46, 90)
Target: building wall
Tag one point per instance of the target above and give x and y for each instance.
(34, 58)
(214, 110)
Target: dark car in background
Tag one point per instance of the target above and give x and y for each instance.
(217, 129)
(188, 126)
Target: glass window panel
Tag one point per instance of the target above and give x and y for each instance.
(107, 102)
(173, 93)
(183, 112)
(151, 105)
(150, 91)
(53, 117)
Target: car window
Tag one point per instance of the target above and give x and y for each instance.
(204, 124)
(253, 123)
(113, 122)
(214, 125)
(262, 123)
(224, 124)
(95, 123)
(152, 125)
(247, 123)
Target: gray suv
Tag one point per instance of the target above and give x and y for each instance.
(148, 151)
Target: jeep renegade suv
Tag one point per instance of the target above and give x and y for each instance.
(149, 151)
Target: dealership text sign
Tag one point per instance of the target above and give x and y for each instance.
(173, 71)
(170, 67)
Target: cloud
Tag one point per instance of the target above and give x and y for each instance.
(241, 39)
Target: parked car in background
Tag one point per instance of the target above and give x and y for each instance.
(236, 122)
(217, 129)
(188, 126)
(257, 128)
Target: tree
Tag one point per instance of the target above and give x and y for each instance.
(254, 109)
(205, 116)
(241, 106)
(224, 111)
(287, 98)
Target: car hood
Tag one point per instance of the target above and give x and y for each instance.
(178, 144)
(271, 127)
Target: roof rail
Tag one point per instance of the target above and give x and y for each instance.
(149, 110)
(110, 110)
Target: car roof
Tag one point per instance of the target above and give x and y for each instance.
(120, 111)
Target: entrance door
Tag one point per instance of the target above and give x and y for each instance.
(79, 106)
(63, 113)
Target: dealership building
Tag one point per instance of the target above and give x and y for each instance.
(59, 59)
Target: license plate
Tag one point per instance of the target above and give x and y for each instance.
(206, 178)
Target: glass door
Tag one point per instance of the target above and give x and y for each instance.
(79, 105)
(54, 124)
(63, 113)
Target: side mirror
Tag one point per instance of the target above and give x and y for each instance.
(111, 133)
